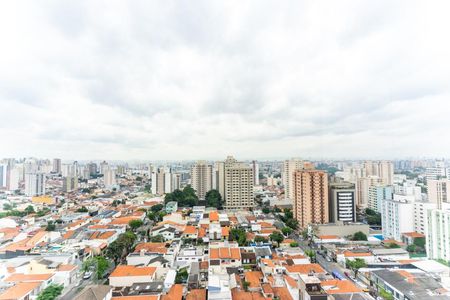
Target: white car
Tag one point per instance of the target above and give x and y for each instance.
(87, 275)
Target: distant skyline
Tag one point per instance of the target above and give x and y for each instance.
(168, 80)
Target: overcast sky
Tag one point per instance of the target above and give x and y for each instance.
(204, 79)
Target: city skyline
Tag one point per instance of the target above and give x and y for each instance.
(200, 81)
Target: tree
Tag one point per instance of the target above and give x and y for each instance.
(99, 263)
(359, 236)
(286, 231)
(213, 199)
(7, 206)
(135, 224)
(293, 244)
(82, 209)
(182, 276)
(393, 245)
(311, 254)
(245, 285)
(157, 207)
(266, 210)
(276, 236)
(292, 223)
(411, 248)
(157, 239)
(385, 294)
(29, 210)
(288, 214)
(355, 264)
(51, 292)
(238, 235)
(50, 226)
(260, 239)
(419, 242)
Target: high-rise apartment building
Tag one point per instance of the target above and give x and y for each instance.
(397, 216)
(56, 166)
(34, 184)
(377, 193)
(362, 189)
(287, 176)
(438, 191)
(109, 177)
(255, 169)
(201, 178)
(311, 197)
(103, 167)
(421, 215)
(92, 167)
(3, 176)
(437, 233)
(70, 184)
(382, 169)
(238, 184)
(342, 204)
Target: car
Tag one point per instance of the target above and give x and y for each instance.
(87, 275)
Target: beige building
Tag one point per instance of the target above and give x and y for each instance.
(382, 169)
(289, 167)
(201, 178)
(362, 189)
(237, 184)
(311, 197)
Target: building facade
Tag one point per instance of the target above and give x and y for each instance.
(342, 202)
(201, 178)
(238, 185)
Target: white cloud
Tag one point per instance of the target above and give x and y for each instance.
(190, 80)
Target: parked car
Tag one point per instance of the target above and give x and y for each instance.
(87, 275)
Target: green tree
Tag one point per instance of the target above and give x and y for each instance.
(260, 239)
(238, 235)
(276, 236)
(99, 263)
(51, 292)
(266, 210)
(411, 248)
(182, 276)
(419, 242)
(286, 231)
(385, 294)
(355, 264)
(50, 226)
(29, 210)
(292, 223)
(135, 224)
(311, 254)
(246, 285)
(82, 209)
(157, 239)
(393, 245)
(293, 244)
(359, 236)
(213, 199)
(157, 207)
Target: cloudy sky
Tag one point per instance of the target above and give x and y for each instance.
(203, 79)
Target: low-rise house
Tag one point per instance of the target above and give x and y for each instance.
(125, 275)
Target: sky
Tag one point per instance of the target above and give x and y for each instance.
(177, 80)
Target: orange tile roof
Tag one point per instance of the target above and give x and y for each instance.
(413, 234)
(241, 295)
(152, 247)
(268, 230)
(139, 297)
(201, 232)
(102, 235)
(282, 293)
(267, 288)
(335, 286)
(305, 268)
(20, 290)
(124, 220)
(225, 253)
(196, 294)
(213, 216)
(19, 277)
(65, 268)
(189, 229)
(291, 281)
(253, 277)
(175, 293)
(225, 231)
(268, 262)
(328, 237)
(68, 234)
(125, 270)
(349, 253)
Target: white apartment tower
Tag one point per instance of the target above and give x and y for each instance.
(201, 178)
(34, 184)
(438, 233)
(438, 191)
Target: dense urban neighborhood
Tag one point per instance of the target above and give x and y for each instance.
(225, 230)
